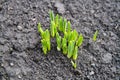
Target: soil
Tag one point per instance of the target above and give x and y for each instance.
(21, 57)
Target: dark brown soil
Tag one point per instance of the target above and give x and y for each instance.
(21, 57)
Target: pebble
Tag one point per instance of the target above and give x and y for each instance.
(11, 64)
(59, 78)
(92, 11)
(19, 28)
(107, 58)
(91, 73)
(113, 69)
(19, 76)
(60, 7)
(2, 65)
(104, 34)
(93, 64)
(33, 19)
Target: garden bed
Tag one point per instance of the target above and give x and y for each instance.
(21, 56)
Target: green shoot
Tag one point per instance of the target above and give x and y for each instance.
(45, 40)
(58, 39)
(64, 45)
(57, 20)
(52, 28)
(70, 36)
(66, 35)
(75, 53)
(44, 46)
(67, 32)
(48, 39)
(64, 25)
(60, 24)
(79, 41)
(51, 16)
(95, 35)
(69, 27)
(74, 64)
(74, 35)
(39, 28)
(70, 49)
(69, 43)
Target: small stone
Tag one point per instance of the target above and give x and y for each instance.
(59, 78)
(11, 49)
(92, 11)
(2, 64)
(33, 19)
(113, 69)
(104, 34)
(91, 73)
(60, 7)
(19, 28)
(11, 64)
(93, 64)
(87, 78)
(52, 61)
(107, 58)
(19, 76)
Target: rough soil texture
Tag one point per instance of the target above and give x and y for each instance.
(21, 57)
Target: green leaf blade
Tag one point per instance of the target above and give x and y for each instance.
(60, 24)
(58, 38)
(69, 27)
(52, 29)
(95, 35)
(80, 40)
(44, 46)
(75, 53)
(74, 64)
(39, 28)
(64, 46)
(70, 49)
(51, 16)
(75, 35)
(57, 20)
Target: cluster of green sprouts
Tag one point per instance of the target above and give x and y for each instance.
(68, 40)
(45, 39)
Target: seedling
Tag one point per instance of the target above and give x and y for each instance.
(75, 53)
(45, 39)
(53, 23)
(52, 17)
(70, 49)
(44, 46)
(53, 28)
(47, 35)
(74, 35)
(58, 39)
(61, 24)
(40, 29)
(64, 45)
(70, 36)
(73, 64)
(70, 42)
(95, 35)
(79, 41)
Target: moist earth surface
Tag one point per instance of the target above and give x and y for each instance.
(21, 56)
